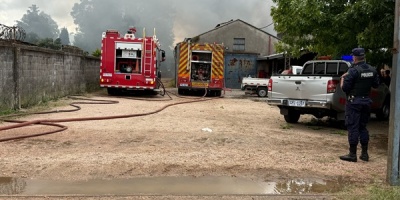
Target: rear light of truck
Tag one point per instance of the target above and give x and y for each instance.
(331, 86)
(270, 85)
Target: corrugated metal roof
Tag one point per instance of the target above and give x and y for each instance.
(272, 56)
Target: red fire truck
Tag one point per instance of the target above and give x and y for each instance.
(199, 67)
(130, 63)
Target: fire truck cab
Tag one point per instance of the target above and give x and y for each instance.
(130, 63)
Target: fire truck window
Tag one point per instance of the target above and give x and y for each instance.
(202, 57)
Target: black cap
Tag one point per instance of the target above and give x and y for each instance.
(358, 52)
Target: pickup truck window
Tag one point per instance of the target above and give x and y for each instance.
(332, 68)
(319, 68)
(307, 69)
(343, 67)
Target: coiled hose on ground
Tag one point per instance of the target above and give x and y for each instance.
(52, 122)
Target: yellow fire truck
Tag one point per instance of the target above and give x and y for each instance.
(199, 67)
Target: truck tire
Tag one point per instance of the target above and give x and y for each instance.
(112, 91)
(181, 91)
(218, 93)
(384, 112)
(292, 117)
(262, 92)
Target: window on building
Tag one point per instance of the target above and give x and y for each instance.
(238, 44)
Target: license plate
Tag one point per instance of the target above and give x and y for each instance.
(297, 103)
(184, 84)
(196, 84)
(107, 75)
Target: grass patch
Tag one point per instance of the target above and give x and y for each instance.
(377, 191)
(384, 192)
(169, 83)
(7, 112)
(286, 126)
(340, 132)
(374, 190)
(315, 127)
(34, 109)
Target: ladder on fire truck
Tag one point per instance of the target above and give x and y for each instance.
(148, 50)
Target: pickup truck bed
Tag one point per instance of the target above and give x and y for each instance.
(255, 86)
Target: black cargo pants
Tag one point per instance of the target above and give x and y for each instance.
(357, 117)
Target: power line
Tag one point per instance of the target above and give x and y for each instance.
(266, 26)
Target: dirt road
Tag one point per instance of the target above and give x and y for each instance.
(235, 136)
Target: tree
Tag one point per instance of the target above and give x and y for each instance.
(334, 27)
(49, 43)
(39, 23)
(64, 36)
(96, 53)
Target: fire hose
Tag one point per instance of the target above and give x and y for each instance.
(52, 122)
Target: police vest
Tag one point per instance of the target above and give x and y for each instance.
(364, 81)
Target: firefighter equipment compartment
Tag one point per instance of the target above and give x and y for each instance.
(128, 60)
(201, 66)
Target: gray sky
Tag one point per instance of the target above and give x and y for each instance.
(195, 17)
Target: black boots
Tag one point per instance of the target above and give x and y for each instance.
(352, 156)
(364, 152)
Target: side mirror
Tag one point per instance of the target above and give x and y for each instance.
(162, 55)
(159, 74)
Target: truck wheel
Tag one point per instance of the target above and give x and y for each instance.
(112, 91)
(262, 92)
(384, 112)
(292, 117)
(181, 91)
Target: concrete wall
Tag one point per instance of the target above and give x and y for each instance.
(30, 75)
(7, 84)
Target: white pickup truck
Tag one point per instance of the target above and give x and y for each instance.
(257, 86)
(317, 91)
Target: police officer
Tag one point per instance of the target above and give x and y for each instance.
(357, 83)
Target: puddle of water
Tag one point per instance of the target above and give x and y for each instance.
(167, 186)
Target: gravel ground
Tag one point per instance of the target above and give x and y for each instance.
(235, 136)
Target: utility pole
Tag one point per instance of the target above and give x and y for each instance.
(394, 122)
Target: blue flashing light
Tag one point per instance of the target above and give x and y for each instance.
(347, 58)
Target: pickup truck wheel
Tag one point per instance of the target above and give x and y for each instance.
(292, 117)
(384, 112)
(262, 92)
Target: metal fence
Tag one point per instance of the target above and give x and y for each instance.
(12, 33)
